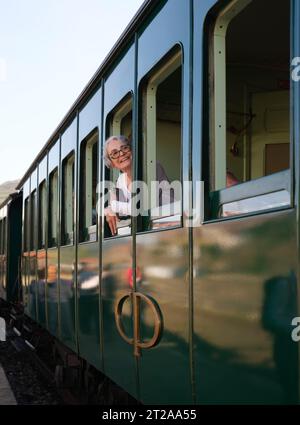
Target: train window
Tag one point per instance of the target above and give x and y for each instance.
(88, 188)
(119, 123)
(248, 95)
(33, 223)
(68, 193)
(161, 135)
(42, 215)
(26, 225)
(53, 209)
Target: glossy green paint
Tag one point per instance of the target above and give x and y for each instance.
(119, 362)
(88, 303)
(67, 298)
(52, 295)
(41, 256)
(67, 254)
(246, 274)
(88, 287)
(31, 254)
(245, 299)
(163, 256)
(41, 286)
(218, 286)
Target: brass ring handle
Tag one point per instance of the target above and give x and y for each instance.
(136, 297)
(118, 317)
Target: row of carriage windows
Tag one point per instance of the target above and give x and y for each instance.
(161, 135)
(246, 136)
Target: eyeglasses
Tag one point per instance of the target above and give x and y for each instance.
(116, 154)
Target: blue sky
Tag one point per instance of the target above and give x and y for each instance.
(48, 52)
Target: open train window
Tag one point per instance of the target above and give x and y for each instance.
(161, 136)
(68, 193)
(118, 123)
(248, 98)
(88, 188)
(53, 208)
(42, 215)
(33, 217)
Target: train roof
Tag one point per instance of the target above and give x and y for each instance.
(144, 11)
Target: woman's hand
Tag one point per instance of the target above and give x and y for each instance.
(111, 219)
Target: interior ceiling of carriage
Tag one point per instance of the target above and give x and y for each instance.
(260, 35)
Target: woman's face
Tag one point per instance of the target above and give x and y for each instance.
(124, 157)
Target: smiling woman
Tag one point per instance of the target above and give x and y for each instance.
(118, 155)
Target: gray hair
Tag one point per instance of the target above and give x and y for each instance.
(106, 158)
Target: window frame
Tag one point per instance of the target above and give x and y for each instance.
(32, 221)
(68, 199)
(42, 208)
(88, 233)
(215, 122)
(53, 217)
(148, 87)
(113, 127)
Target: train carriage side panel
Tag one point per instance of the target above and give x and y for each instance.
(246, 263)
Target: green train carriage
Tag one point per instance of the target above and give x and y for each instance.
(208, 89)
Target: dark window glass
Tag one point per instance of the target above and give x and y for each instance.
(26, 225)
(53, 208)
(33, 221)
(42, 215)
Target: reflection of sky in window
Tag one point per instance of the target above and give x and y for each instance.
(46, 61)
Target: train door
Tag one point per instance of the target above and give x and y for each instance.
(163, 291)
(32, 287)
(25, 248)
(41, 241)
(88, 288)
(245, 252)
(67, 250)
(118, 362)
(52, 239)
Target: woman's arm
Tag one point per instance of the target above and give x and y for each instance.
(123, 208)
